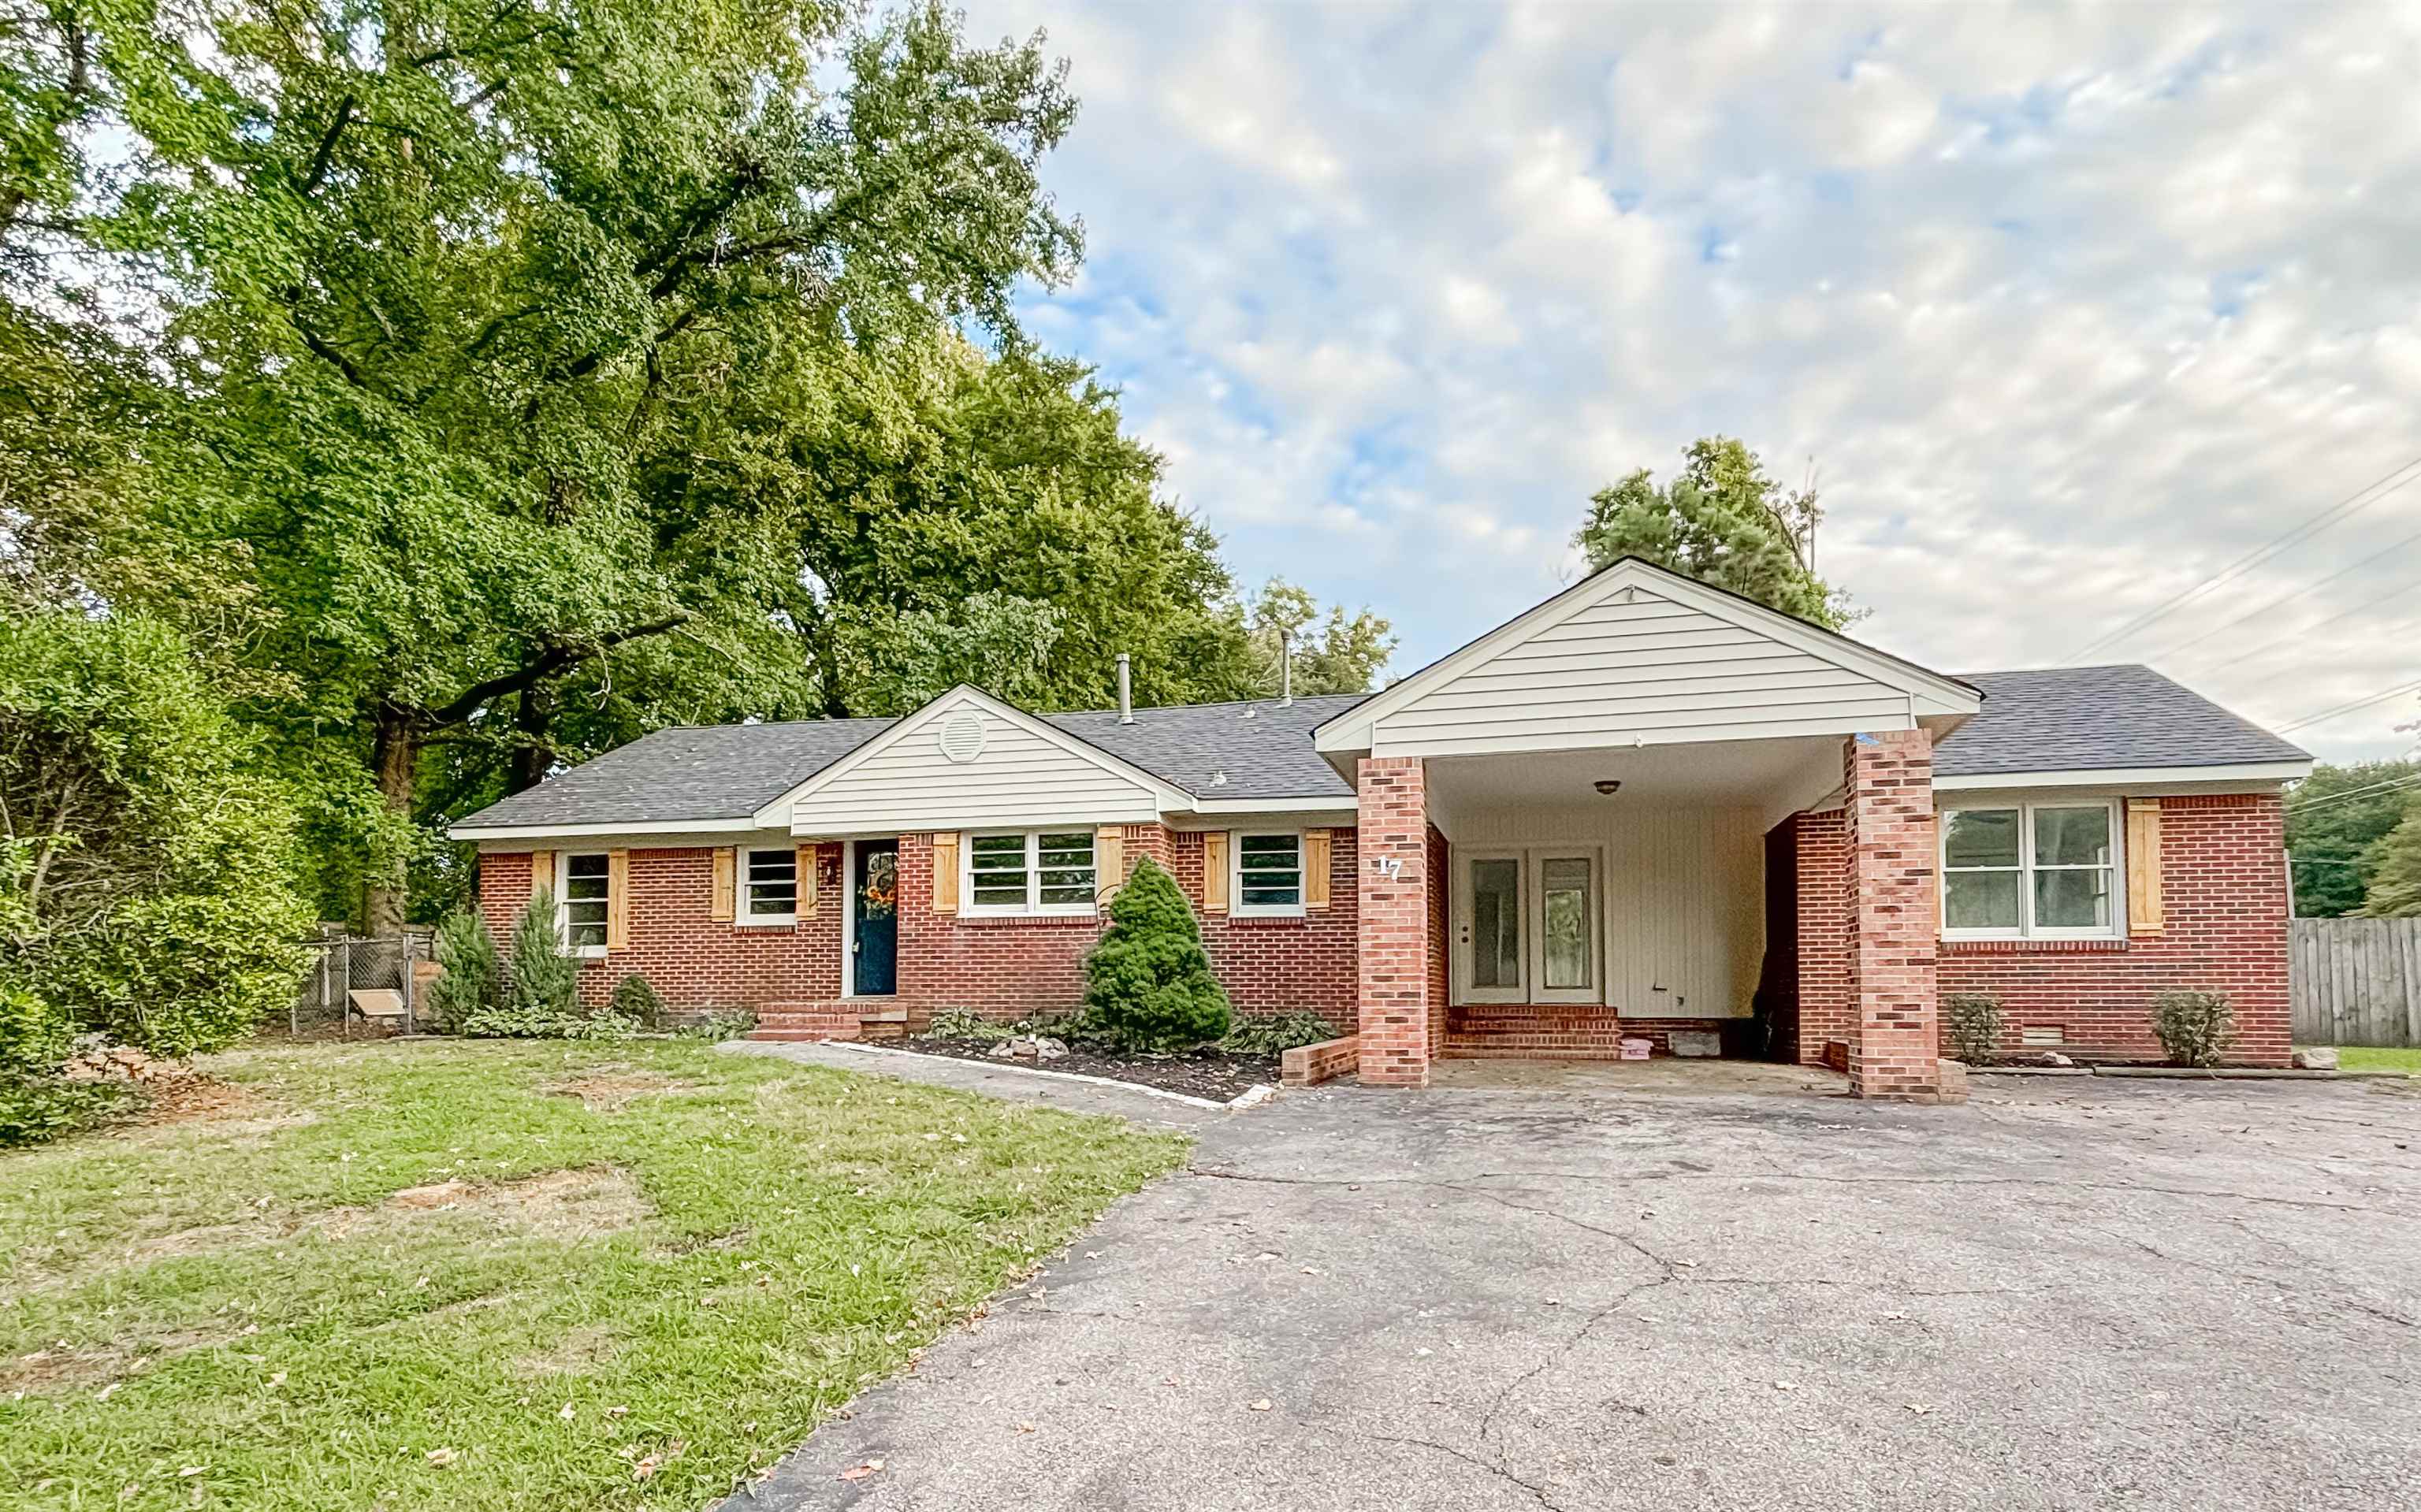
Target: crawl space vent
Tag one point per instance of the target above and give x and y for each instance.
(2043, 1034)
(962, 736)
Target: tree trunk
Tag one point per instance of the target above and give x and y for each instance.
(534, 752)
(395, 758)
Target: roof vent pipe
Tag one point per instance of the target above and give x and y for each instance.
(1126, 692)
(1286, 668)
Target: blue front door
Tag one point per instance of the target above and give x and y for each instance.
(874, 919)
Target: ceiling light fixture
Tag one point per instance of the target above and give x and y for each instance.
(1607, 788)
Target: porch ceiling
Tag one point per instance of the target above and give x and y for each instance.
(1781, 776)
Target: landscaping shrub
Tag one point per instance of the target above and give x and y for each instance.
(474, 982)
(1974, 1023)
(545, 979)
(637, 1002)
(965, 1024)
(1148, 983)
(147, 880)
(2195, 1028)
(542, 999)
(1277, 1033)
(719, 1025)
(35, 1036)
(35, 1109)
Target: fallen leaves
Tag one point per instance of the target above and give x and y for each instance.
(860, 1471)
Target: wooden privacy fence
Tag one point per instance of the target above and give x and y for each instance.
(2355, 981)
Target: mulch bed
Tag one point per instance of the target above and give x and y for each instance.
(1212, 1074)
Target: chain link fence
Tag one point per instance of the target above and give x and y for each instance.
(366, 985)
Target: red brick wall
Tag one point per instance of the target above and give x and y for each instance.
(1004, 967)
(1395, 959)
(1887, 803)
(2224, 906)
(1440, 986)
(695, 961)
(1277, 965)
(1826, 1012)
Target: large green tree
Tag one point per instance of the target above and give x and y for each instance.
(429, 274)
(1343, 653)
(2395, 866)
(2336, 819)
(1725, 521)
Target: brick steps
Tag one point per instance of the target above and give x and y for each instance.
(793, 1022)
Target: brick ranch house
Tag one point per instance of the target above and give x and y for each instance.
(1646, 805)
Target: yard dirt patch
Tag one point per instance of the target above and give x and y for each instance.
(551, 1205)
(612, 1090)
(1215, 1074)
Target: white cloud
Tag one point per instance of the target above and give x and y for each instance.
(2073, 305)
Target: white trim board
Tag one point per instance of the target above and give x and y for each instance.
(2252, 772)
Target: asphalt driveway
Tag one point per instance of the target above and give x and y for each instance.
(2070, 1293)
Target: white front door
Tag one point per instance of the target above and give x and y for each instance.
(1527, 925)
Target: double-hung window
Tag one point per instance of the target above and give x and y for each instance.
(2031, 870)
(1268, 874)
(1029, 872)
(773, 886)
(587, 885)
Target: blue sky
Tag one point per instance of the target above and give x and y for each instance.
(2067, 308)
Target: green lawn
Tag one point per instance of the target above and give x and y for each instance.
(660, 1267)
(2355, 1058)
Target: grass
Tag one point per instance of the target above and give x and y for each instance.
(660, 1267)
(2356, 1058)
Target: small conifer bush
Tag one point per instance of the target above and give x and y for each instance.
(1148, 984)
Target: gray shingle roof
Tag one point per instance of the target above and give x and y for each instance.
(1264, 748)
(692, 772)
(729, 772)
(2071, 718)
(2057, 719)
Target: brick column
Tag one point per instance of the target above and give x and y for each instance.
(1394, 898)
(1888, 806)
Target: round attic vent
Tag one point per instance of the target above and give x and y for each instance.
(962, 736)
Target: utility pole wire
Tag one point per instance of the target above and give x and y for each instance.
(2322, 802)
(2266, 647)
(2259, 555)
(2348, 708)
(2292, 597)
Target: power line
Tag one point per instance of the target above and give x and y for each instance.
(2254, 558)
(2267, 647)
(2348, 708)
(2326, 800)
(2292, 597)
(2388, 636)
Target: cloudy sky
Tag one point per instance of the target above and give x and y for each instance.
(2069, 308)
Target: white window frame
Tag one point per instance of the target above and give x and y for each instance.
(742, 915)
(563, 903)
(1033, 906)
(1237, 907)
(2027, 870)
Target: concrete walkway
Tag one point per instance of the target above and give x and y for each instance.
(2070, 1293)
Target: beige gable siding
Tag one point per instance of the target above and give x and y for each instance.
(1018, 778)
(1638, 666)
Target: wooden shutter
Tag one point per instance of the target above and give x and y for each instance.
(1214, 872)
(542, 871)
(805, 904)
(946, 873)
(726, 861)
(2143, 865)
(1109, 861)
(617, 900)
(1315, 869)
